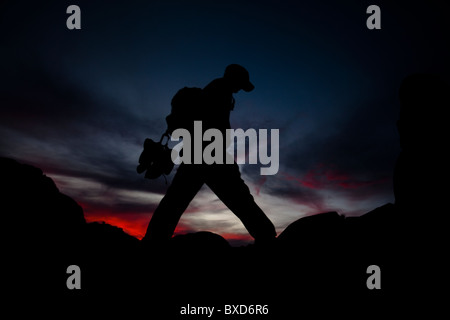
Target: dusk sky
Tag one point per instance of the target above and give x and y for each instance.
(79, 103)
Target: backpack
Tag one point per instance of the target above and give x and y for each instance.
(187, 106)
(155, 159)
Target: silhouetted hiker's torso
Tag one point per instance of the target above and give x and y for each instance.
(214, 111)
(218, 103)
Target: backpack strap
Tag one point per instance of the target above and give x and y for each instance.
(232, 103)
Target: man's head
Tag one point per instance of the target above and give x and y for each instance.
(238, 78)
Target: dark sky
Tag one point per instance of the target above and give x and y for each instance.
(79, 103)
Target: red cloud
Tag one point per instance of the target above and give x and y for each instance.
(135, 224)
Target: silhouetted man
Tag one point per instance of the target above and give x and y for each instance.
(223, 179)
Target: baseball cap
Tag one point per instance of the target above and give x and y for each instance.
(240, 76)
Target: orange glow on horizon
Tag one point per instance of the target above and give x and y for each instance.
(135, 225)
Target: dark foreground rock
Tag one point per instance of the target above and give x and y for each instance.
(316, 261)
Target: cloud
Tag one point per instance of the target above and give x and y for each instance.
(342, 163)
(81, 111)
(89, 146)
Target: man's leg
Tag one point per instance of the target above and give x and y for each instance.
(186, 183)
(226, 182)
